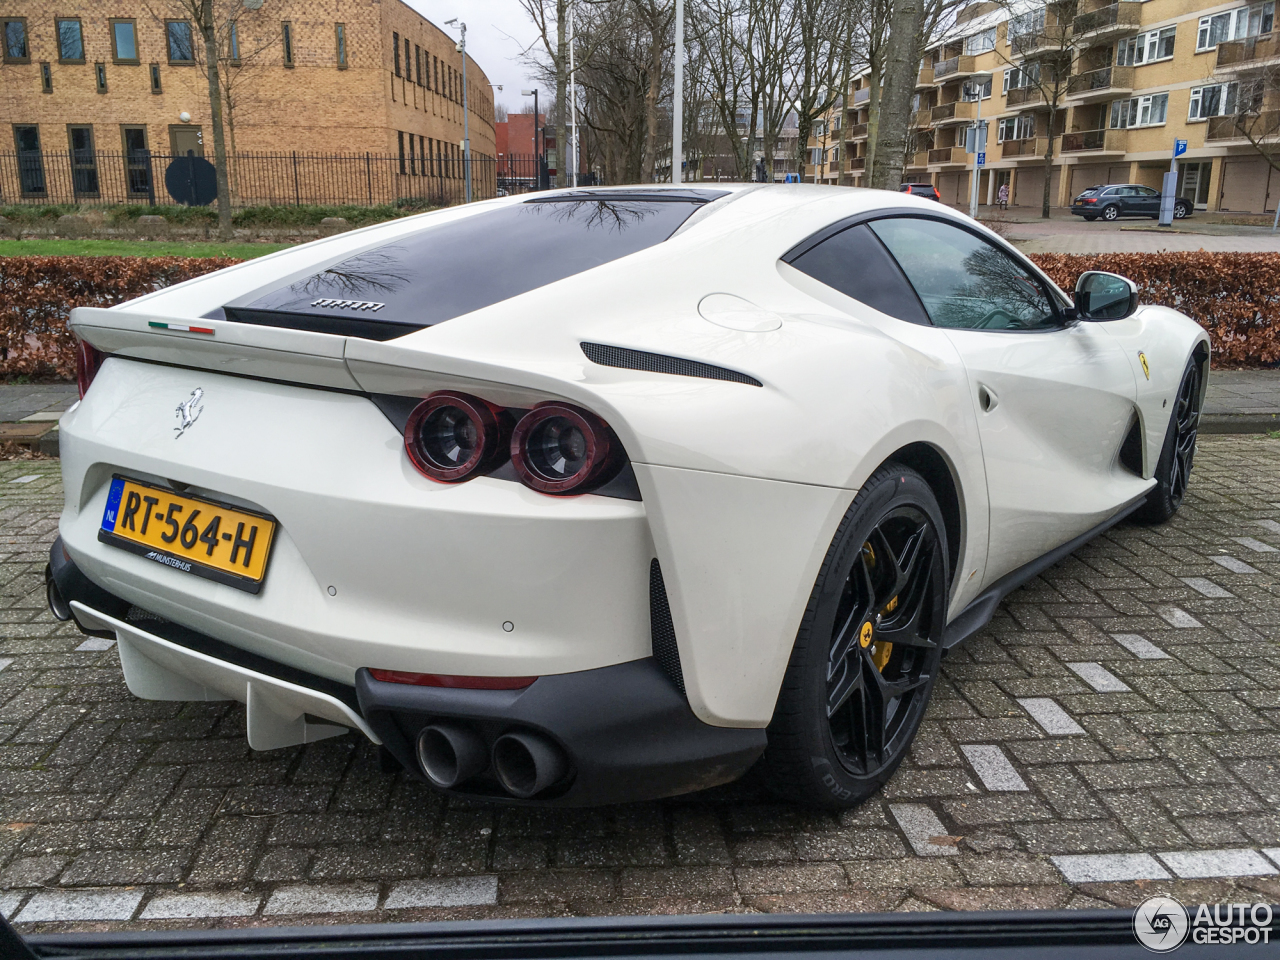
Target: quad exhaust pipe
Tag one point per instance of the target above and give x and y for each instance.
(451, 754)
(527, 763)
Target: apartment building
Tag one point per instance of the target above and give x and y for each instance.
(87, 77)
(1114, 85)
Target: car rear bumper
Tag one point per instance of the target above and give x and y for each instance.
(625, 732)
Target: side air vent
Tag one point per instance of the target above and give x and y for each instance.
(1131, 449)
(608, 356)
(662, 629)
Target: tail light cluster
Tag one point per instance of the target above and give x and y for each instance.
(88, 360)
(555, 448)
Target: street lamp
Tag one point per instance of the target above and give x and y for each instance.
(537, 149)
(466, 129)
(976, 83)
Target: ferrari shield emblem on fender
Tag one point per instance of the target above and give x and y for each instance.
(1142, 358)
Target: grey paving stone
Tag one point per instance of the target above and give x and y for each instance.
(1232, 564)
(51, 905)
(447, 892)
(1204, 864)
(321, 898)
(993, 767)
(1206, 588)
(1051, 717)
(1177, 617)
(1257, 546)
(1109, 867)
(197, 906)
(1273, 853)
(1099, 677)
(1140, 647)
(923, 830)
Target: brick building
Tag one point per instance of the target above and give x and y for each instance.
(84, 78)
(1134, 77)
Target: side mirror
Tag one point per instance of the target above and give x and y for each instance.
(1105, 296)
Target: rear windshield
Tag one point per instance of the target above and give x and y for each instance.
(454, 268)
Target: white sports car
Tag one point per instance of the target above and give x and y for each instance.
(603, 495)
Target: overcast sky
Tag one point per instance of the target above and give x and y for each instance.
(497, 32)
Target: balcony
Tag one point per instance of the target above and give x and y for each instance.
(1253, 52)
(1032, 148)
(1099, 84)
(861, 96)
(1024, 97)
(953, 68)
(918, 160)
(922, 117)
(854, 164)
(1098, 142)
(1108, 22)
(948, 156)
(1267, 125)
(1051, 38)
(925, 77)
(957, 111)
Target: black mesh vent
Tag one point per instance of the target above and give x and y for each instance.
(1131, 449)
(608, 356)
(663, 630)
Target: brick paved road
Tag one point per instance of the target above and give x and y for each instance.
(1115, 732)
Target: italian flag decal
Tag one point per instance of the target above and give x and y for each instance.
(180, 327)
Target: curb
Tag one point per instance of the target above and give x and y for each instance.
(1220, 423)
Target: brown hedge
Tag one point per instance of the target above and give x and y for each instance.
(37, 294)
(1235, 296)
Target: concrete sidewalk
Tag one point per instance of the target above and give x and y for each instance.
(1239, 401)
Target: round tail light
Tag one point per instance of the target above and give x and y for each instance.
(560, 449)
(450, 436)
(88, 360)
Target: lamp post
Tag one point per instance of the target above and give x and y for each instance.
(466, 129)
(976, 83)
(537, 148)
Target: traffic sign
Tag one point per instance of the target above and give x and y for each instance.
(982, 159)
(1179, 147)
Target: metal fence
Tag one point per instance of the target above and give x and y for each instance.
(82, 176)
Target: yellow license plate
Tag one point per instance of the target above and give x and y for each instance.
(187, 533)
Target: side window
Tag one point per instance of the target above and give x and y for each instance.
(964, 281)
(1147, 192)
(854, 262)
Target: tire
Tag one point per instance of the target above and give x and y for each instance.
(884, 576)
(1181, 211)
(1111, 212)
(1090, 219)
(1173, 470)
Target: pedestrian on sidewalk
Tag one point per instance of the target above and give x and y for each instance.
(1002, 197)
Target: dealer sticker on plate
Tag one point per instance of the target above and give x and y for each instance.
(192, 534)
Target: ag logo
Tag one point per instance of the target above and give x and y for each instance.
(1160, 924)
(1142, 358)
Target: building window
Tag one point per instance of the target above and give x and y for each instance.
(155, 79)
(124, 41)
(136, 160)
(1016, 128)
(980, 42)
(100, 76)
(1027, 75)
(1026, 24)
(233, 41)
(408, 64)
(400, 137)
(46, 77)
(26, 140)
(422, 153)
(1148, 111)
(178, 37)
(340, 44)
(970, 92)
(1235, 25)
(70, 41)
(286, 40)
(84, 162)
(395, 48)
(417, 63)
(1146, 48)
(436, 61)
(1216, 100)
(15, 40)
(413, 164)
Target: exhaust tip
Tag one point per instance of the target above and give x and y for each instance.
(450, 754)
(58, 605)
(527, 764)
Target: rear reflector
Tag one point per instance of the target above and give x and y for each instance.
(445, 680)
(88, 360)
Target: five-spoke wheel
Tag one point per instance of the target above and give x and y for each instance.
(1173, 470)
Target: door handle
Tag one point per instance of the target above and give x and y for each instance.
(987, 398)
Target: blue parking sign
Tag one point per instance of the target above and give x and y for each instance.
(982, 158)
(1179, 147)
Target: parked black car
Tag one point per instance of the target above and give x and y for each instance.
(1115, 200)
(926, 190)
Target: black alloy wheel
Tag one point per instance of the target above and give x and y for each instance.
(868, 649)
(1173, 471)
(1110, 212)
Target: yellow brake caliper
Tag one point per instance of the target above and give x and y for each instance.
(880, 652)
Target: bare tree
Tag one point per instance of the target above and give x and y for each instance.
(902, 61)
(1256, 113)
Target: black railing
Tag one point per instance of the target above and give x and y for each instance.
(366, 179)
